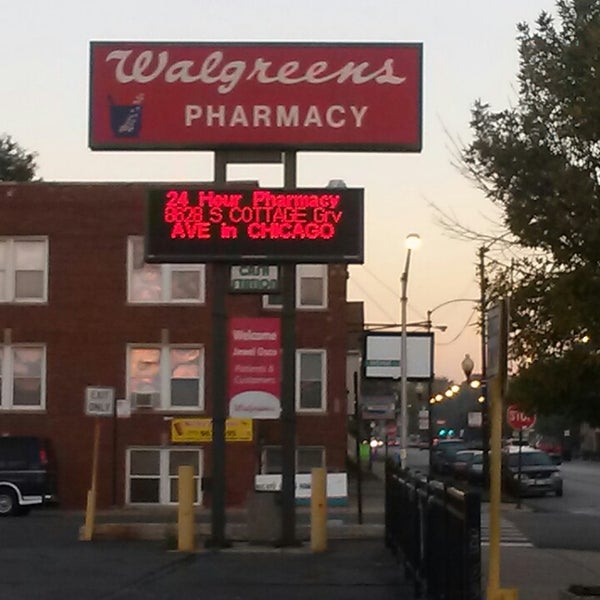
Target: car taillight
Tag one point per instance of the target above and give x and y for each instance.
(43, 456)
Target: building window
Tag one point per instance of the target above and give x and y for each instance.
(307, 458)
(23, 269)
(162, 284)
(311, 384)
(22, 377)
(152, 474)
(311, 289)
(166, 377)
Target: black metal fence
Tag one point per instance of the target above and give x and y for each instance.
(435, 531)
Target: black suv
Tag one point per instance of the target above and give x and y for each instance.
(27, 474)
(443, 454)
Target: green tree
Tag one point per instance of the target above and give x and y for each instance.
(16, 164)
(539, 161)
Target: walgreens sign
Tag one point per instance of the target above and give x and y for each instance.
(338, 97)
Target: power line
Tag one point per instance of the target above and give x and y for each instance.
(392, 291)
(464, 328)
(383, 310)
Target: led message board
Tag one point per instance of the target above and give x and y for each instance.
(210, 96)
(305, 225)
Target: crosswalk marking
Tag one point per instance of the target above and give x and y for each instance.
(510, 534)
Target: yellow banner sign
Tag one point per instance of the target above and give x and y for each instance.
(200, 430)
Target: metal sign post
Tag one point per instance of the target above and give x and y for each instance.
(99, 402)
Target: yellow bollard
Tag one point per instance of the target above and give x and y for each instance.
(318, 510)
(185, 511)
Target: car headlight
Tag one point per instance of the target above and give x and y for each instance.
(524, 477)
(555, 475)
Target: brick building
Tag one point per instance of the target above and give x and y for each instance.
(79, 307)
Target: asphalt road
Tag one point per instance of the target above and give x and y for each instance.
(571, 522)
(41, 559)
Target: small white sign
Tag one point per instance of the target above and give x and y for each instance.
(99, 401)
(255, 405)
(337, 486)
(474, 419)
(123, 408)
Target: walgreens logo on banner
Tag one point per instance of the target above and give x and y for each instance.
(213, 96)
(254, 367)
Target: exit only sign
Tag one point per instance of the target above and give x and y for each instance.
(254, 279)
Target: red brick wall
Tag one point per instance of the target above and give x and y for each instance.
(87, 324)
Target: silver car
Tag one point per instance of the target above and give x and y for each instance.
(538, 474)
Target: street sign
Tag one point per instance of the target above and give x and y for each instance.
(497, 340)
(201, 430)
(517, 419)
(254, 279)
(99, 401)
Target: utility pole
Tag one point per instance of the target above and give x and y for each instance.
(485, 415)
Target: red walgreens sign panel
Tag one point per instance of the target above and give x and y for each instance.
(255, 368)
(517, 419)
(209, 96)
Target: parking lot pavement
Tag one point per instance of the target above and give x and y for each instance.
(42, 559)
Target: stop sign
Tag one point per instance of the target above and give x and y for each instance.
(517, 419)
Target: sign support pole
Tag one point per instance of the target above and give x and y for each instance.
(219, 374)
(288, 404)
(90, 510)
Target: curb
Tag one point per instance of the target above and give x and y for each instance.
(234, 532)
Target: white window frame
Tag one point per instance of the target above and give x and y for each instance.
(304, 271)
(164, 493)
(8, 377)
(7, 295)
(164, 403)
(323, 353)
(166, 279)
(265, 470)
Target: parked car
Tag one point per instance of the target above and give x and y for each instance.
(551, 446)
(461, 463)
(538, 474)
(443, 453)
(27, 474)
(474, 468)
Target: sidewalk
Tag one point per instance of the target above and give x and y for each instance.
(537, 573)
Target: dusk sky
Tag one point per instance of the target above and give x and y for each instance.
(469, 52)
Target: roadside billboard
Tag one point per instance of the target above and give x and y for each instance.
(383, 355)
(214, 95)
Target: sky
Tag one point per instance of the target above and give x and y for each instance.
(469, 52)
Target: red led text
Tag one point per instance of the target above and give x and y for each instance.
(254, 215)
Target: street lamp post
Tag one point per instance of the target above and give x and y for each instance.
(412, 241)
(430, 326)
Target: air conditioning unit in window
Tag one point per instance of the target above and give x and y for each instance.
(145, 399)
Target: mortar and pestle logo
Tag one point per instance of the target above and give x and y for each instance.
(126, 119)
